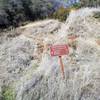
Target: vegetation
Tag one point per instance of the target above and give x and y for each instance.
(14, 12)
(97, 15)
(61, 14)
(76, 6)
(90, 3)
(7, 93)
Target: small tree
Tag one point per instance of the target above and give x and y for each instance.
(15, 12)
(61, 14)
(7, 93)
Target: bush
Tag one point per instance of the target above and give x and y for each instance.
(90, 3)
(41, 8)
(3, 19)
(97, 15)
(11, 13)
(61, 14)
(7, 93)
(15, 12)
(18, 11)
(76, 6)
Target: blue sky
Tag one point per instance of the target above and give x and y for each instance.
(67, 2)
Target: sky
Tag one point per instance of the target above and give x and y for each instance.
(67, 2)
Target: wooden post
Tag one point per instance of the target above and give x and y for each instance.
(62, 67)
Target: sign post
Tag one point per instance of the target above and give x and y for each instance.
(62, 67)
(59, 50)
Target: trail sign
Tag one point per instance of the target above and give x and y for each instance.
(59, 50)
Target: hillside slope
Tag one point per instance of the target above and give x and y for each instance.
(26, 64)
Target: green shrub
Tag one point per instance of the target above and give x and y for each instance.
(90, 3)
(76, 6)
(7, 93)
(61, 14)
(97, 15)
(15, 12)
